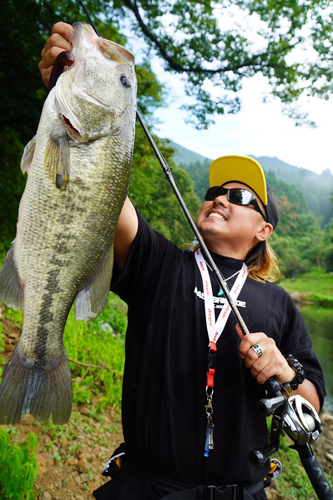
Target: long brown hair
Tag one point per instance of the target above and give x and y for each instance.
(262, 263)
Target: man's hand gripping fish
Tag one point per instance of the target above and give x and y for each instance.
(78, 168)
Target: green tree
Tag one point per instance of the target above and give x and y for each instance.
(24, 26)
(216, 44)
(151, 193)
(22, 95)
(198, 171)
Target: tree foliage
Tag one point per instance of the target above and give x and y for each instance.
(214, 45)
(26, 26)
(151, 193)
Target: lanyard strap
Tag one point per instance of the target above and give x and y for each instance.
(215, 328)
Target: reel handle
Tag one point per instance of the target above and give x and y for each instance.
(267, 407)
(273, 387)
(260, 456)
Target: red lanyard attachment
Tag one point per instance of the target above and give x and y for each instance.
(212, 351)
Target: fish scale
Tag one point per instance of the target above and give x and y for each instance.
(78, 175)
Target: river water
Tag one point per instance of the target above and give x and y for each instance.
(319, 321)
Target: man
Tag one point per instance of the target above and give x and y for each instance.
(189, 429)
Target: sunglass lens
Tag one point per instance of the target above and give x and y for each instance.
(240, 196)
(214, 192)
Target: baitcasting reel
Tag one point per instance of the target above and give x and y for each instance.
(301, 421)
(294, 416)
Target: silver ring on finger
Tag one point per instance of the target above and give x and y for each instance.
(258, 350)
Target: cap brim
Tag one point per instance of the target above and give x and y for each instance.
(239, 169)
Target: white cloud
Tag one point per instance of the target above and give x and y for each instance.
(258, 129)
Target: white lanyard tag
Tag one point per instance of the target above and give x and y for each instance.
(215, 328)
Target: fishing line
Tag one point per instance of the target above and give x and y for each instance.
(88, 16)
(167, 170)
(42, 9)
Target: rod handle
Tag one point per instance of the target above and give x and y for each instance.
(317, 477)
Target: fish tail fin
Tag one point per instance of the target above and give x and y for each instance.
(35, 390)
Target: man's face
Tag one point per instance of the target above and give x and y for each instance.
(228, 228)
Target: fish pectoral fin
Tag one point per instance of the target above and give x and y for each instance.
(91, 301)
(32, 389)
(57, 160)
(11, 286)
(28, 155)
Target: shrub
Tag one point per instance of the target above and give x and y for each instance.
(18, 468)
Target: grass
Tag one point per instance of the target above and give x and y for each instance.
(95, 351)
(313, 287)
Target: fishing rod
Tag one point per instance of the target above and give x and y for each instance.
(295, 415)
(168, 173)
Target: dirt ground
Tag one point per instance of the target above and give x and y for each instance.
(70, 464)
(70, 460)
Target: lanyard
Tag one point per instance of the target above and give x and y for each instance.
(214, 330)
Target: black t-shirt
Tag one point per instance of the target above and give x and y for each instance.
(164, 398)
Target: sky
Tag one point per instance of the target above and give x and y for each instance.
(258, 129)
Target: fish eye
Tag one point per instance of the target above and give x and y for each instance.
(125, 81)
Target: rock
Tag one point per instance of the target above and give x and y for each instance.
(86, 456)
(47, 459)
(46, 495)
(80, 479)
(84, 411)
(82, 465)
(63, 441)
(297, 297)
(9, 347)
(13, 335)
(77, 479)
(27, 420)
(41, 464)
(326, 418)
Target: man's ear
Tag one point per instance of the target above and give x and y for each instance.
(264, 231)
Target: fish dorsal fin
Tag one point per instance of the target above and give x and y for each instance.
(91, 301)
(28, 155)
(57, 160)
(11, 286)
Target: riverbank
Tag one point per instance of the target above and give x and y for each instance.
(315, 287)
(71, 457)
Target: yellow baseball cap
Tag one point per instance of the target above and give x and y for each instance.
(239, 169)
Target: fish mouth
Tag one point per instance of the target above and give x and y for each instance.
(216, 215)
(68, 123)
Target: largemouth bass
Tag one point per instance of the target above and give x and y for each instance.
(78, 175)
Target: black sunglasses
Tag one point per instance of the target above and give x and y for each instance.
(237, 196)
